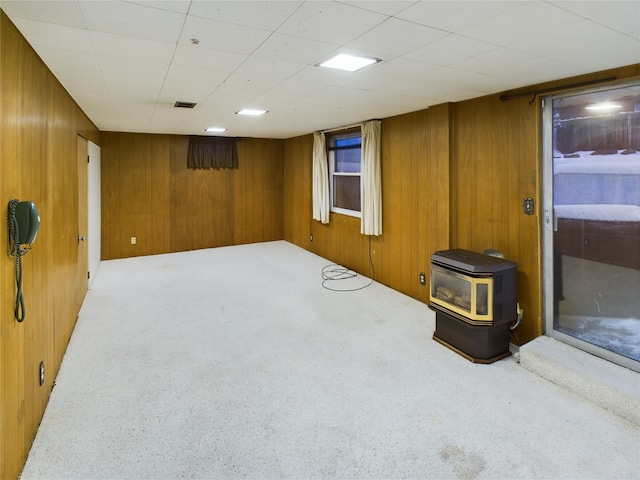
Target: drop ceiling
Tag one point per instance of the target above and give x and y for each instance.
(126, 63)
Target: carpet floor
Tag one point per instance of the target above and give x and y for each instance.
(235, 362)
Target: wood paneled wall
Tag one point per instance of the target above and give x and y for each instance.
(149, 193)
(496, 163)
(39, 128)
(415, 196)
(453, 176)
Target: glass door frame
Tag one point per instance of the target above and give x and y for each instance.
(549, 225)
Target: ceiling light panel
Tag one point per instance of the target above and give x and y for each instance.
(251, 112)
(350, 63)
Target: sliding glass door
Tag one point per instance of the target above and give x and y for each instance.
(591, 175)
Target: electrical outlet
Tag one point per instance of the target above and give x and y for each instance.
(41, 373)
(311, 237)
(133, 240)
(423, 278)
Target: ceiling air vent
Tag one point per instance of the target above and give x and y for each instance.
(184, 105)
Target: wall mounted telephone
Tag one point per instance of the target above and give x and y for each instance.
(23, 222)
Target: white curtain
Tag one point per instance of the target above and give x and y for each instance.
(370, 180)
(320, 187)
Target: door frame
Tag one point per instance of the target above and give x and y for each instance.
(549, 226)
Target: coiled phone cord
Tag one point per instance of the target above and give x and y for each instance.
(17, 251)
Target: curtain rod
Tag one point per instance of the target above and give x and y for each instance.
(535, 93)
(346, 127)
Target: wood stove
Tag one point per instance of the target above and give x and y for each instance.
(474, 297)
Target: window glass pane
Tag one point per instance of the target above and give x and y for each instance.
(346, 192)
(348, 142)
(347, 161)
(596, 237)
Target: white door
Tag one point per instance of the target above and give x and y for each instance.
(94, 230)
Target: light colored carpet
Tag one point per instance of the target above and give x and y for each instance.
(235, 363)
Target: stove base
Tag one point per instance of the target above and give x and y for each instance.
(476, 343)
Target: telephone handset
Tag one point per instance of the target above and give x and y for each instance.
(26, 221)
(23, 222)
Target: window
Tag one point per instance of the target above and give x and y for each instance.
(344, 155)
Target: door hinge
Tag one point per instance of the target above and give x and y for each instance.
(88, 275)
(88, 159)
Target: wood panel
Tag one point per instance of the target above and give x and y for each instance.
(39, 123)
(415, 157)
(149, 193)
(490, 166)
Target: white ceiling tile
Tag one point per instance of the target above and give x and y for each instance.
(320, 75)
(93, 101)
(259, 14)
(455, 94)
(82, 81)
(294, 49)
(293, 88)
(391, 104)
(228, 97)
(528, 20)
(407, 88)
(479, 83)
(195, 56)
(494, 60)
(622, 16)
(516, 65)
(143, 89)
(330, 22)
(222, 36)
(132, 20)
(109, 44)
(57, 36)
(170, 114)
(586, 45)
(401, 68)
(386, 7)
(273, 97)
(61, 58)
(141, 68)
(454, 16)
(132, 109)
(395, 38)
(340, 93)
(178, 6)
(174, 91)
(269, 67)
(368, 79)
(451, 49)
(254, 83)
(187, 74)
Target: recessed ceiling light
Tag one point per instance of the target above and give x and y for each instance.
(250, 111)
(216, 129)
(350, 63)
(603, 107)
